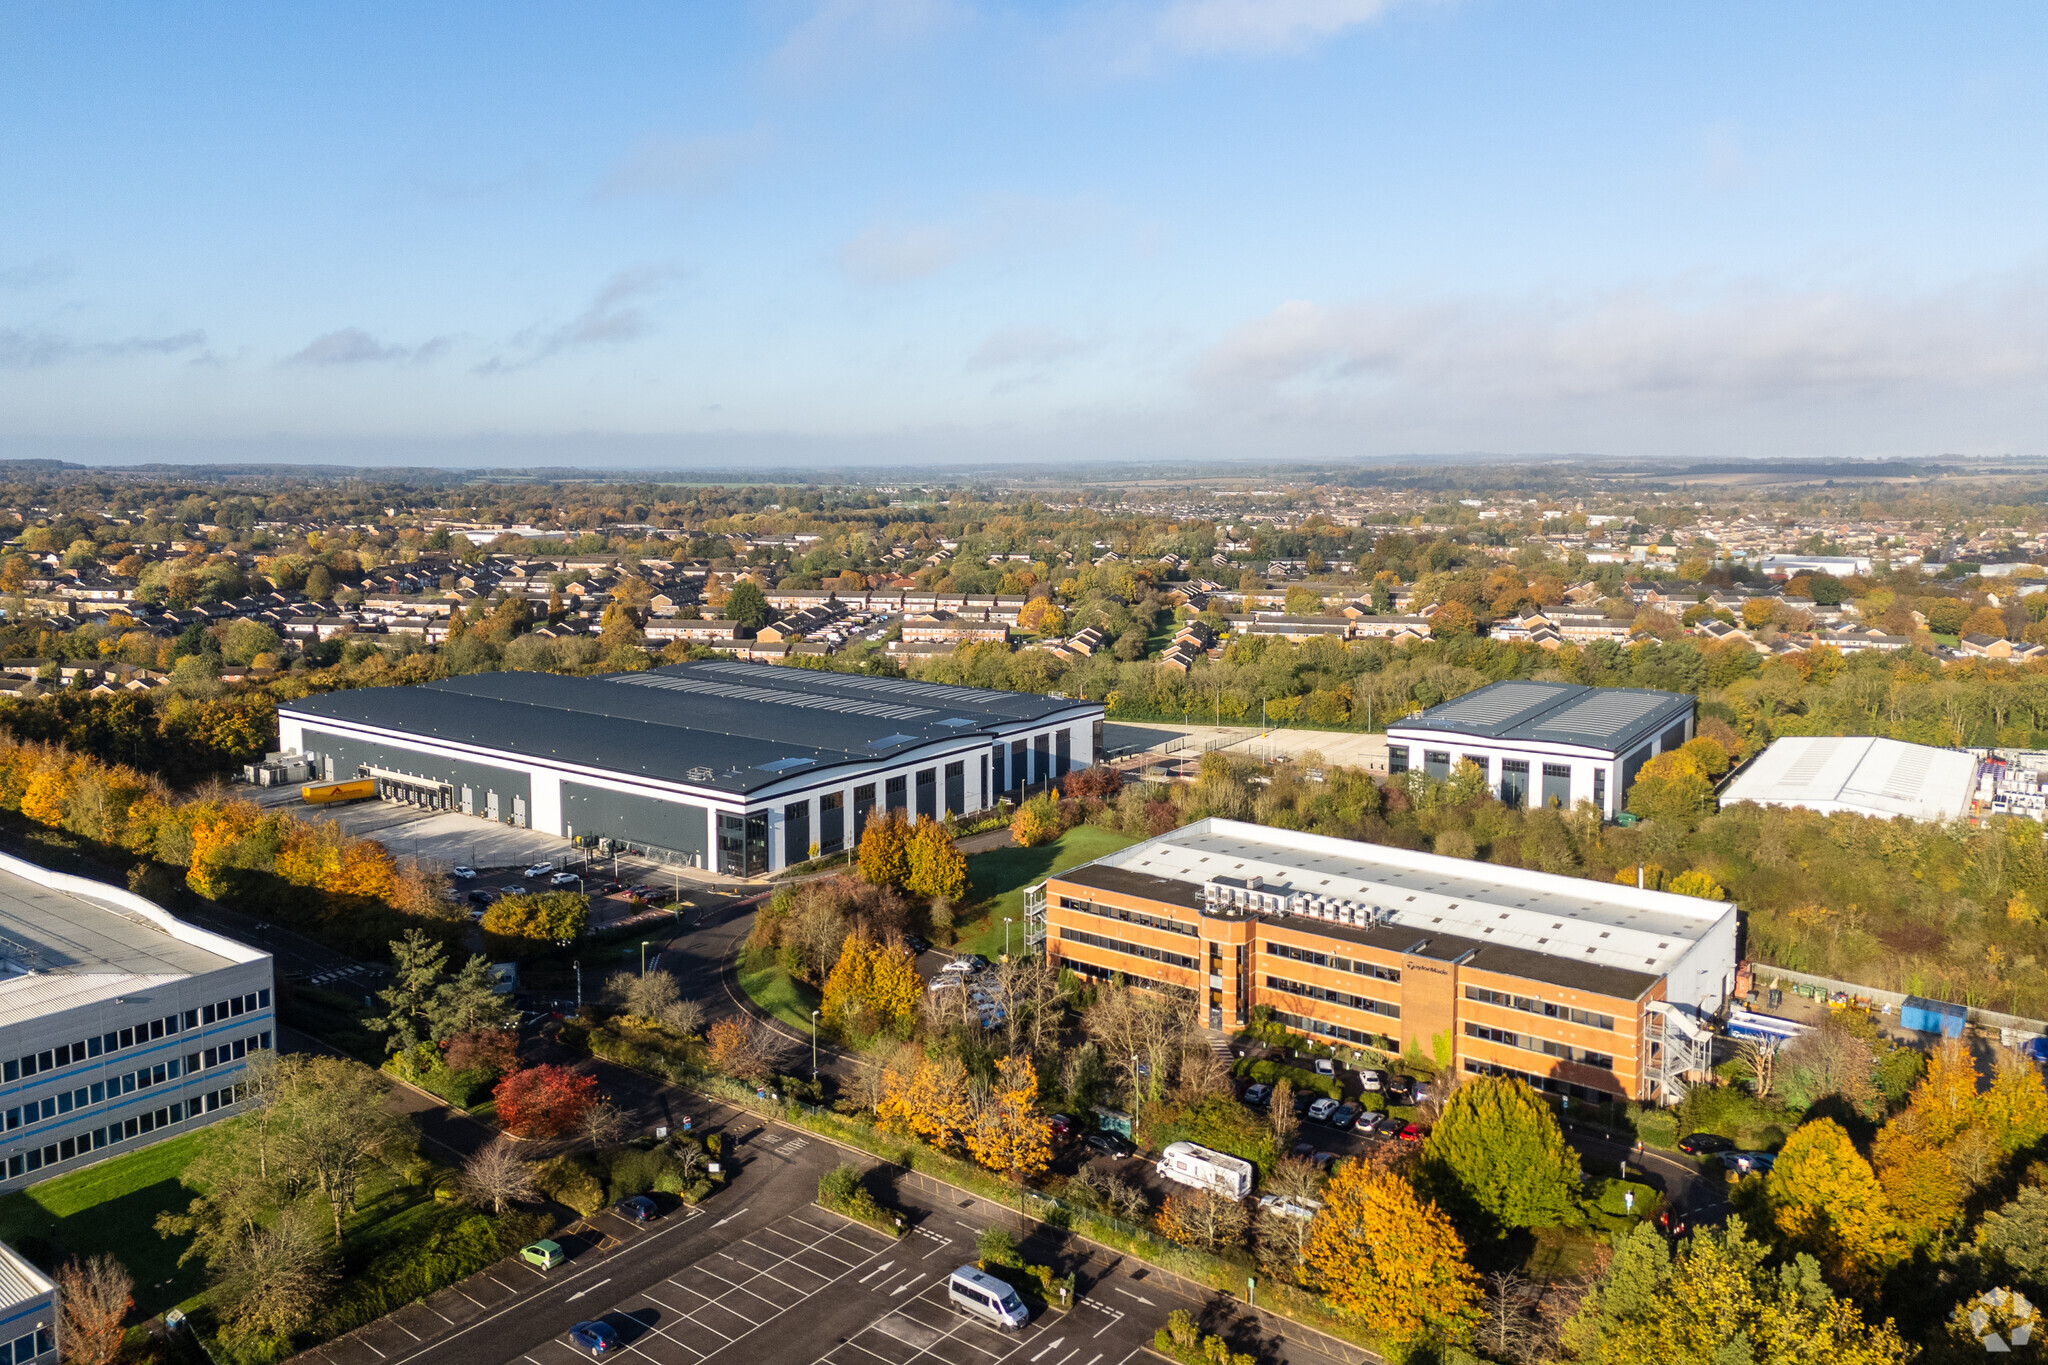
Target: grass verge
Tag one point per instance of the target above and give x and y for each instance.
(111, 1209)
(1000, 875)
(772, 989)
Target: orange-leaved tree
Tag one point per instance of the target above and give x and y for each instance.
(932, 1101)
(544, 1101)
(1390, 1258)
(1009, 1134)
(1826, 1201)
(884, 855)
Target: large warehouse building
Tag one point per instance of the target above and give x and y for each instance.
(1582, 988)
(1546, 743)
(733, 766)
(1859, 774)
(119, 1024)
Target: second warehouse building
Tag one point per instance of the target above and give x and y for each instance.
(742, 768)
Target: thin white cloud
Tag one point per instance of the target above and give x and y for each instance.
(1740, 344)
(28, 350)
(613, 316)
(663, 164)
(885, 254)
(844, 37)
(354, 346)
(1204, 28)
(34, 274)
(1013, 347)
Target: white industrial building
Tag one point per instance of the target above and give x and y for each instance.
(120, 1025)
(736, 766)
(1859, 774)
(1545, 743)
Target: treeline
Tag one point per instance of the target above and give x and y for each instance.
(348, 892)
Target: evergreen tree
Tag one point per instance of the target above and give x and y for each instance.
(418, 964)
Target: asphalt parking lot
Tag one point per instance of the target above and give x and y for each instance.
(759, 1273)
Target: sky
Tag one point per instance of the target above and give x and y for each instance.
(877, 233)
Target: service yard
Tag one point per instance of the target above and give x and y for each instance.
(761, 1274)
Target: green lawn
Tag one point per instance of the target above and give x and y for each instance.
(776, 991)
(112, 1208)
(1000, 876)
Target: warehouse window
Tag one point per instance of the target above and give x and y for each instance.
(863, 807)
(1514, 782)
(1019, 775)
(1064, 753)
(956, 788)
(1397, 758)
(1437, 763)
(796, 832)
(1041, 757)
(928, 793)
(996, 769)
(832, 822)
(896, 792)
(1557, 785)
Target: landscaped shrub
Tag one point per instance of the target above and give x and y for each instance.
(1184, 1341)
(842, 1191)
(568, 1180)
(633, 1171)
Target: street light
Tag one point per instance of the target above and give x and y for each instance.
(643, 957)
(1007, 922)
(814, 1047)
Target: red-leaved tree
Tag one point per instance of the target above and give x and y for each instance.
(544, 1101)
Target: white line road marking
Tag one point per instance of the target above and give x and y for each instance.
(905, 1285)
(1129, 1295)
(1098, 1356)
(876, 1271)
(1056, 1341)
(587, 1288)
(730, 1216)
(407, 1330)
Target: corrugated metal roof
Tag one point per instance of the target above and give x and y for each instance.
(1860, 774)
(732, 719)
(1614, 718)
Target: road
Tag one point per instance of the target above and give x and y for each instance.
(759, 1273)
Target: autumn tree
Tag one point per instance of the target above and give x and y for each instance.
(933, 866)
(1010, 1135)
(932, 1101)
(872, 985)
(655, 998)
(1203, 1218)
(1390, 1258)
(533, 922)
(1498, 1152)
(1720, 1300)
(544, 1101)
(94, 1296)
(1672, 786)
(1826, 1201)
(739, 1049)
(884, 849)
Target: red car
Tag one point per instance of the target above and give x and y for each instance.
(1062, 1126)
(1409, 1132)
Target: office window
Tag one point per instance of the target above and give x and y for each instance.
(1397, 758)
(1600, 789)
(1437, 763)
(1672, 738)
(1557, 785)
(1481, 760)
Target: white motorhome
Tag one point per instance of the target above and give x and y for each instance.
(1206, 1170)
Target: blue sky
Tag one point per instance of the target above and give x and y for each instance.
(875, 231)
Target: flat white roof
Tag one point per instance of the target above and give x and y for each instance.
(1860, 774)
(1569, 918)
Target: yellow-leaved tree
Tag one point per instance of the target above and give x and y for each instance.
(872, 986)
(1009, 1134)
(883, 849)
(1390, 1258)
(932, 1101)
(1827, 1202)
(934, 867)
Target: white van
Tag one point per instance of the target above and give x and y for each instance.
(1204, 1169)
(981, 1295)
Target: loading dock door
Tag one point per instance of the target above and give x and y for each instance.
(519, 811)
(468, 801)
(491, 805)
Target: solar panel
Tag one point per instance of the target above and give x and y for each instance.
(669, 682)
(1603, 714)
(1492, 705)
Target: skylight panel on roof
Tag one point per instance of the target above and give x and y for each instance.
(1492, 705)
(1604, 713)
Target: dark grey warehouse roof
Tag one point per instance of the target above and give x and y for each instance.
(1556, 713)
(727, 725)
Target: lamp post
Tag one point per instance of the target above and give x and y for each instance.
(814, 1046)
(643, 957)
(1007, 922)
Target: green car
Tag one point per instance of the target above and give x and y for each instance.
(546, 1255)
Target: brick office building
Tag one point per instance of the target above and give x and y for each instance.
(1582, 988)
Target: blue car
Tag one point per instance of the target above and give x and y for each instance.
(639, 1208)
(594, 1337)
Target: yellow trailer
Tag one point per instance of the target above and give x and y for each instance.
(355, 789)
